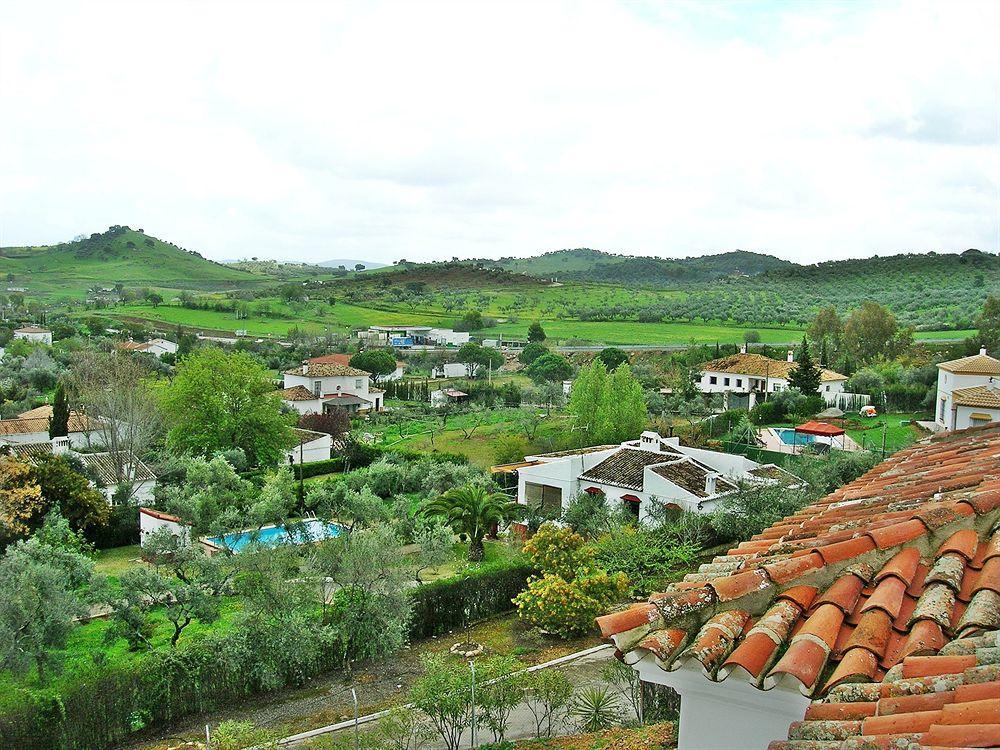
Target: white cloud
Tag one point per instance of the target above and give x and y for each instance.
(426, 130)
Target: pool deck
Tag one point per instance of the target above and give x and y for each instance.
(773, 442)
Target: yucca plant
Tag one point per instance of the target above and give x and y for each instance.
(473, 510)
(595, 709)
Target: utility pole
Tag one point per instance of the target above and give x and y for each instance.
(472, 666)
(357, 739)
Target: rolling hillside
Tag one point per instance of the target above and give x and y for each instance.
(584, 264)
(118, 256)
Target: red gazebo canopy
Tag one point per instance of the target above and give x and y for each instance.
(820, 428)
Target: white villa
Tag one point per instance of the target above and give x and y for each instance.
(405, 337)
(345, 359)
(968, 392)
(745, 377)
(34, 334)
(638, 473)
(451, 370)
(156, 347)
(316, 386)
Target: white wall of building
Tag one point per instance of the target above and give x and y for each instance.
(729, 714)
(35, 337)
(448, 337)
(159, 347)
(149, 523)
(964, 416)
(315, 450)
(451, 370)
(946, 413)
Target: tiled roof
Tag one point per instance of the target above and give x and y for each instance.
(951, 699)
(133, 346)
(32, 329)
(103, 466)
(980, 395)
(977, 364)
(624, 468)
(29, 451)
(346, 398)
(307, 436)
(893, 565)
(575, 452)
(22, 426)
(690, 475)
(340, 359)
(758, 365)
(327, 370)
(771, 471)
(39, 412)
(297, 393)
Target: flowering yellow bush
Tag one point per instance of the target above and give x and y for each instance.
(568, 608)
(560, 551)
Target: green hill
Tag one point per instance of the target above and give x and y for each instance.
(118, 256)
(584, 264)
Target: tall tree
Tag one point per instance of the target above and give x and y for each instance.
(872, 333)
(378, 363)
(219, 401)
(59, 421)
(806, 375)
(116, 391)
(623, 407)
(478, 359)
(536, 334)
(989, 324)
(827, 330)
(21, 501)
(64, 487)
(585, 400)
(549, 368)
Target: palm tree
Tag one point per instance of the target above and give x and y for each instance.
(473, 510)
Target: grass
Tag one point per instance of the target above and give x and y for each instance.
(652, 737)
(115, 561)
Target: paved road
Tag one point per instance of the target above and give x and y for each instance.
(582, 672)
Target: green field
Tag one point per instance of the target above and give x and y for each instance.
(344, 317)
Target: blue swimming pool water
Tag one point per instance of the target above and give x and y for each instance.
(789, 437)
(310, 530)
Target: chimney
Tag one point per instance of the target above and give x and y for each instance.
(743, 349)
(791, 355)
(305, 367)
(710, 480)
(60, 446)
(982, 351)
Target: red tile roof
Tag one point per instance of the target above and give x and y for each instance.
(860, 587)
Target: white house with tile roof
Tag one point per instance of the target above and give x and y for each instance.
(968, 392)
(156, 347)
(747, 377)
(314, 387)
(637, 474)
(310, 446)
(34, 334)
(32, 426)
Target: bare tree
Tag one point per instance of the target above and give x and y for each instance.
(113, 390)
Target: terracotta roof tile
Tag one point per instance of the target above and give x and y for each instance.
(964, 542)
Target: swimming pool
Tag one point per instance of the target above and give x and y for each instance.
(309, 530)
(788, 436)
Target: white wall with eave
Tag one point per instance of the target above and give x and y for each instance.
(726, 715)
(972, 416)
(315, 450)
(149, 523)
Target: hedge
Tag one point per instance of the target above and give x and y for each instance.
(112, 702)
(121, 530)
(459, 601)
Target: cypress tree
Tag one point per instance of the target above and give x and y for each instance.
(59, 421)
(806, 375)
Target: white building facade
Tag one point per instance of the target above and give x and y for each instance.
(639, 475)
(968, 392)
(34, 334)
(745, 379)
(330, 385)
(151, 521)
(312, 446)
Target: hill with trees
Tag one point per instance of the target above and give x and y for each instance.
(120, 255)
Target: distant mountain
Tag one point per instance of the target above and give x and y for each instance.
(118, 255)
(351, 264)
(585, 264)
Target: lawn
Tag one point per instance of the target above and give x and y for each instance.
(115, 561)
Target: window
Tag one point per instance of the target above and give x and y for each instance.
(941, 411)
(828, 388)
(712, 380)
(725, 381)
(543, 496)
(357, 383)
(977, 419)
(317, 387)
(739, 382)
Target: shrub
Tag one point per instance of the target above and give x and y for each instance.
(647, 557)
(567, 608)
(121, 530)
(559, 550)
(459, 601)
(753, 508)
(595, 709)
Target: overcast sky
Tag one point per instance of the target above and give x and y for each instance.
(424, 129)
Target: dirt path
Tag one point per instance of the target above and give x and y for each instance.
(327, 700)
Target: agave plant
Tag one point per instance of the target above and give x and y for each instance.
(473, 510)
